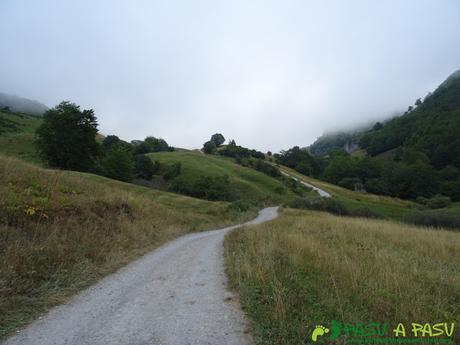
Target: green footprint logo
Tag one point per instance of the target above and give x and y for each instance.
(319, 331)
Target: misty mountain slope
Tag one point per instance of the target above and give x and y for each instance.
(433, 127)
(22, 105)
(17, 133)
(342, 140)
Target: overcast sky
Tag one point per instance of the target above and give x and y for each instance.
(269, 74)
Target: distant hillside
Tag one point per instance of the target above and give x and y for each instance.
(21, 105)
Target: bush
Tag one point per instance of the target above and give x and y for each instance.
(366, 212)
(239, 206)
(295, 186)
(352, 183)
(209, 147)
(433, 219)
(438, 201)
(320, 204)
(145, 168)
(151, 144)
(218, 139)
(118, 164)
(376, 186)
(172, 171)
(206, 187)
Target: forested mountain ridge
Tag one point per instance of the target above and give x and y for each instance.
(432, 127)
(410, 156)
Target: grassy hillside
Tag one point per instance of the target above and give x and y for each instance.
(251, 185)
(61, 231)
(309, 268)
(17, 135)
(386, 206)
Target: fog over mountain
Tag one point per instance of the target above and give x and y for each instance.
(271, 74)
(22, 105)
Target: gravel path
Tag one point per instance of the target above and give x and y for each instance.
(174, 295)
(320, 191)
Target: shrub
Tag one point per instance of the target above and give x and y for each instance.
(172, 171)
(295, 186)
(350, 183)
(366, 212)
(118, 164)
(239, 206)
(145, 168)
(218, 139)
(320, 204)
(376, 186)
(438, 201)
(433, 219)
(209, 147)
(206, 187)
(151, 144)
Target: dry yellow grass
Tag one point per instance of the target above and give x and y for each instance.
(310, 267)
(60, 231)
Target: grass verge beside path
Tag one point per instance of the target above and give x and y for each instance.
(307, 268)
(61, 231)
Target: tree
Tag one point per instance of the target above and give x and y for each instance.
(151, 144)
(209, 147)
(145, 168)
(418, 102)
(218, 139)
(67, 137)
(377, 126)
(118, 164)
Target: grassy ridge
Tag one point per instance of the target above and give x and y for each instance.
(61, 231)
(251, 184)
(17, 135)
(307, 268)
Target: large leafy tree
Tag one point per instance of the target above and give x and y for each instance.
(217, 139)
(67, 137)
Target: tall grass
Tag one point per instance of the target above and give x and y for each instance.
(60, 231)
(308, 268)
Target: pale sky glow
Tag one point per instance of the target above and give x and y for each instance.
(269, 74)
